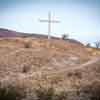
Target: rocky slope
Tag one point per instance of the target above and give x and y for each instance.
(47, 63)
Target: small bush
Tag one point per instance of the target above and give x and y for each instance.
(93, 90)
(9, 94)
(49, 94)
(14, 93)
(28, 44)
(45, 94)
(65, 36)
(25, 69)
(61, 96)
(76, 74)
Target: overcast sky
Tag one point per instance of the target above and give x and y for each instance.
(79, 18)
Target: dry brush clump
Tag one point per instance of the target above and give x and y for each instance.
(76, 74)
(50, 94)
(28, 44)
(10, 93)
(93, 90)
(25, 69)
(13, 92)
(45, 94)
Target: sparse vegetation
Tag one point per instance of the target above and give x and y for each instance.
(61, 96)
(25, 69)
(45, 94)
(67, 65)
(14, 93)
(75, 74)
(93, 90)
(50, 94)
(65, 36)
(10, 93)
(28, 44)
(88, 45)
(97, 44)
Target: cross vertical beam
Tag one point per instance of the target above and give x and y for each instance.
(49, 25)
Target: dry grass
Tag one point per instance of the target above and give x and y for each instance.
(54, 62)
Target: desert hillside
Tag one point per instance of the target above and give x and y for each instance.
(12, 33)
(28, 63)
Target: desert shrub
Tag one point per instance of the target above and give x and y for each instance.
(65, 36)
(88, 45)
(49, 94)
(61, 96)
(28, 44)
(10, 93)
(76, 74)
(45, 94)
(14, 93)
(25, 69)
(97, 44)
(93, 90)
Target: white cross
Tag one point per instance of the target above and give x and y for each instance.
(49, 21)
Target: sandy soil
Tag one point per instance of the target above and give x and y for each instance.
(48, 63)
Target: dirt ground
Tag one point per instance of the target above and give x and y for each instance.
(31, 62)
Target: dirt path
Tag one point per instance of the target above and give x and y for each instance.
(90, 62)
(61, 72)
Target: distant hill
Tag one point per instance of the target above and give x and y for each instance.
(10, 33)
(74, 41)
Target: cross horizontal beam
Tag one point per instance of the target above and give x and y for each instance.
(50, 21)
